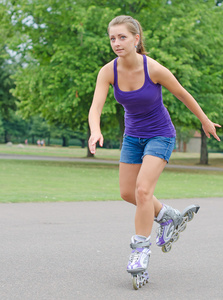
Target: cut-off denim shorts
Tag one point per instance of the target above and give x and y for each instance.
(134, 149)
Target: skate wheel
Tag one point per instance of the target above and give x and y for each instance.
(166, 248)
(183, 227)
(176, 238)
(189, 215)
(135, 283)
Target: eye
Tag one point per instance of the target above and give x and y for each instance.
(112, 39)
(123, 37)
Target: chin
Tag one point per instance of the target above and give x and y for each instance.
(120, 54)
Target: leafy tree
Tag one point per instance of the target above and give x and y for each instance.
(14, 128)
(186, 40)
(64, 43)
(64, 51)
(1, 126)
(7, 66)
(38, 128)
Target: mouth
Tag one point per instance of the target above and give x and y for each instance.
(118, 50)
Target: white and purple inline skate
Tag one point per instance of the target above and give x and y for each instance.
(171, 223)
(139, 260)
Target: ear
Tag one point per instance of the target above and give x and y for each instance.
(137, 39)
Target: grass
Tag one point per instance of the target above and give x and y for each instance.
(36, 181)
(39, 181)
(215, 159)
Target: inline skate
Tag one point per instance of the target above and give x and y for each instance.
(172, 223)
(139, 261)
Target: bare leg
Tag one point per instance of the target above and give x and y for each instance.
(128, 174)
(147, 178)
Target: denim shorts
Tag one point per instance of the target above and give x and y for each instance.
(134, 149)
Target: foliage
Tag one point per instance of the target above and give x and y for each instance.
(186, 41)
(7, 68)
(63, 44)
(63, 58)
(15, 127)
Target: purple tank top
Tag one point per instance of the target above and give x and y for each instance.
(145, 114)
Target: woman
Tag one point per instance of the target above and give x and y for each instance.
(149, 136)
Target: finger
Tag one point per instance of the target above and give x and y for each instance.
(217, 137)
(93, 142)
(215, 134)
(92, 149)
(207, 133)
(92, 146)
(101, 141)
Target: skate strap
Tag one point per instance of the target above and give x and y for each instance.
(140, 245)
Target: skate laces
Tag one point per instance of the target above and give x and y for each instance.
(134, 257)
(166, 218)
(160, 231)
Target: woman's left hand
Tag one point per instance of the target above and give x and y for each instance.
(209, 128)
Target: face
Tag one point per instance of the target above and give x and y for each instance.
(122, 40)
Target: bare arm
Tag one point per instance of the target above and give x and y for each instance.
(164, 77)
(100, 94)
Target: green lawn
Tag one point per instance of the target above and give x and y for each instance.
(30, 181)
(215, 159)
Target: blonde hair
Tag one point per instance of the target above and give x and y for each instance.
(133, 26)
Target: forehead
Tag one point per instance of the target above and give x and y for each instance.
(118, 29)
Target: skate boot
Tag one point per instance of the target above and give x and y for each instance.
(139, 260)
(172, 222)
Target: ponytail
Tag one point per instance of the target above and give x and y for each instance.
(140, 47)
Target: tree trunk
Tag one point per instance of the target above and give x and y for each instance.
(184, 147)
(7, 137)
(89, 154)
(82, 143)
(204, 149)
(119, 115)
(65, 142)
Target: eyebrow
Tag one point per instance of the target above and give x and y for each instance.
(118, 34)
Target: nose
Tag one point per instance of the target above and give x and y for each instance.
(117, 43)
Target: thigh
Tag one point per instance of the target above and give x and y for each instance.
(149, 173)
(128, 174)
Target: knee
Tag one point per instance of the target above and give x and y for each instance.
(127, 196)
(143, 194)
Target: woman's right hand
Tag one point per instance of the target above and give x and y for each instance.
(94, 138)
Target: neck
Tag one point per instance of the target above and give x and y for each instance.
(131, 62)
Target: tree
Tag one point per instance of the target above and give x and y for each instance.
(7, 66)
(186, 41)
(38, 128)
(14, 128)
(62, 56)
(63, 44)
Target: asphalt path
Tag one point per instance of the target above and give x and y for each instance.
(79, 250)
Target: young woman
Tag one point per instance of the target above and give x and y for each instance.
(149, 137)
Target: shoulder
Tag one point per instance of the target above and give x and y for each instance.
(106, 73)
(156, 70)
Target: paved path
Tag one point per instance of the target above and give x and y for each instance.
(66, 251)
(73, 159)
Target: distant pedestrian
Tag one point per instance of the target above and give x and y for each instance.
(38, 143)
